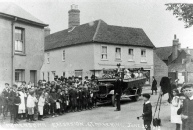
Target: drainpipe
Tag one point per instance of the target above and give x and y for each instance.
(12, 49)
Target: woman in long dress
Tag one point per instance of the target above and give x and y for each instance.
(175, 105)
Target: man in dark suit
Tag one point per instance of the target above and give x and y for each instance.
(118, 91)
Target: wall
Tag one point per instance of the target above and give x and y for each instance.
(78, 57)
(160, 68)
(34, 48)
(5, 53)
(87, 57)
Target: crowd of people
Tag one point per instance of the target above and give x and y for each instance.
(48, 99)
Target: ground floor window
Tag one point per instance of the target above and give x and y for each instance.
(78, 73)
(19, 75)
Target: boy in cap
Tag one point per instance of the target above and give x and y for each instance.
(187, 114)
(147, 112)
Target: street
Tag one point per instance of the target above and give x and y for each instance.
(104, 118)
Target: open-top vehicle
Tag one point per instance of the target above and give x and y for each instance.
(131, 88)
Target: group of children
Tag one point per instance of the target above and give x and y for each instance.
(181, 108)
(47, 99)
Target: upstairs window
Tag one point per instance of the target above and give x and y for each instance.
(19, 40)
(130, 52)
(48, 58)
(117, 53)
(63, 55)
(104, 53)
(143, 53)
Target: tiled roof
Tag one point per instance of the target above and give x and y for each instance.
(180, 67)
(99, 32)
(164, 52)
(12, 9)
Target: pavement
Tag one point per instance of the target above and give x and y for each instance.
(102, 118)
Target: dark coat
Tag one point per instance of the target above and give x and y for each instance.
(11, 98)
(2, 101)
(80, 96)
(147, 111)
(187, 110)
(118, 87)
(17, 100)
(154, 85)
(52, 98)
(165, 85)
(6, 95)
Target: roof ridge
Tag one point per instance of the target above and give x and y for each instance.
(96, 30)
(163, 46)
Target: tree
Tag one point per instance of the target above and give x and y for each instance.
(182, 11)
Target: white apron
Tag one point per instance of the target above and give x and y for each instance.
(175, 118)
(40, 109)
(21, 108)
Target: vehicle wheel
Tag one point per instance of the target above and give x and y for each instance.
(113, 101)
(135, 98)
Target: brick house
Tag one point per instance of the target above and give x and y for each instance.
(22, 45)
(83, 50)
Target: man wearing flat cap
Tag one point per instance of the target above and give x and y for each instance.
(118, 91)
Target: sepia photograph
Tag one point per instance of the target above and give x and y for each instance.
(96, 65)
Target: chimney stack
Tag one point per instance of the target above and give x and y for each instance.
(46, 31)
(188, 55)
(175, 48)
(73, 16)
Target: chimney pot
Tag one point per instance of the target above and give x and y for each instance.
(174, 36)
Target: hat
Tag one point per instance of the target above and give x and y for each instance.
(146, 95)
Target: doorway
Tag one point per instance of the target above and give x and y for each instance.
(33, 77)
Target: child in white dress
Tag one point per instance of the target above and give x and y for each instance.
(41, 103)
(175, 105)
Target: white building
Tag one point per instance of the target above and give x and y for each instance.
(83, 50)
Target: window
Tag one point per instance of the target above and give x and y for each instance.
(19, 40)
(130, 52)
(117, 53)
(48, 76)
(19, 75)
(78, 73)
(143, 53)
(63, 55)
(104, 53)
(48, 58)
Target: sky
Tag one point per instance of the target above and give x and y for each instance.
(150, 15)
